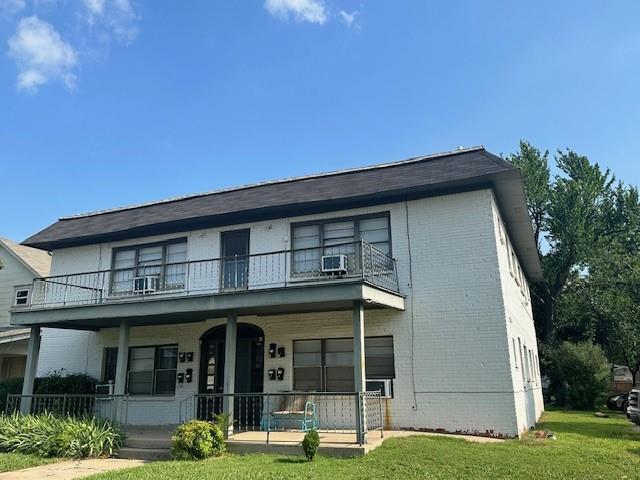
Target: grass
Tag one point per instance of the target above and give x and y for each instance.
(587, 447)
(18, 461)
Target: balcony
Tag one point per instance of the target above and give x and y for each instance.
(259, 283)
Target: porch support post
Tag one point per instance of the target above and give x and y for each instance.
(123, 358)
(230, 368)
(33, 351)
(359, 375)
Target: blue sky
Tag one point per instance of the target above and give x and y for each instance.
(111, 102)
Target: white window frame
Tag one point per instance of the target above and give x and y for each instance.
(20, 289)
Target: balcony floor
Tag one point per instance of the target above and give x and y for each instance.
(193, 308)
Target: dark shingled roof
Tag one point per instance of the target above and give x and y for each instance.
(459, 170)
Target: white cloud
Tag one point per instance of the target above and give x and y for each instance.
(349, 19)
(116, 16)
(312, 11)
(12, 6)
(41, 55)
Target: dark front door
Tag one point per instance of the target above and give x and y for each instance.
(249, 373)
(235, 260)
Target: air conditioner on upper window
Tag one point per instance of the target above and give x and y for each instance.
(146, 284)
(334, 263)
(383, 385)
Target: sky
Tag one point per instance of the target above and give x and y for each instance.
(105, 103)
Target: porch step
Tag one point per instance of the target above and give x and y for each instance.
(153, 443)
(144, 453)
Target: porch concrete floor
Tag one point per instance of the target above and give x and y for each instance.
(287, 442)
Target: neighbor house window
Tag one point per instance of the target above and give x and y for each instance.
(21, 296)
(311, 240)
(515, 352)
(327, 365)
(151, 370)
(151, 267)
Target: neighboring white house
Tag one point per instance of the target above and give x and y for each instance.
(19, 265)
(410, 277)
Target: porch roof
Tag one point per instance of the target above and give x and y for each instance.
(195, 308)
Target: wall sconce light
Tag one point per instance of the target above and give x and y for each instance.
(272, 350)
(181, 378)
(181, 357)
(272, 374)
(189, 375)
(189, 356)
(281, 352)
(281, 374)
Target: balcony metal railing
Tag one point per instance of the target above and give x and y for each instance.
(215, 276)
(347, 413)
(104, 406)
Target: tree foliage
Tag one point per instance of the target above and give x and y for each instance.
(587, 228)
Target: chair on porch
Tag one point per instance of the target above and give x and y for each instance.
(293, 412)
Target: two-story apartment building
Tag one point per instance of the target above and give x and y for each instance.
(410, 278)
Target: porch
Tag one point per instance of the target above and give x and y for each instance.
(349, 424)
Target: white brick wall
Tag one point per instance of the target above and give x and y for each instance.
(526, 381)
(454, 335)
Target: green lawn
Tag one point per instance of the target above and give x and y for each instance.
(18, 461)
(587, 448)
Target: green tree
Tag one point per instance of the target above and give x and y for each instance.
(573, 213)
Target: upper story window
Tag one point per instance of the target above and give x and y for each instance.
(21, 296)
(311, 240)
(150, 267)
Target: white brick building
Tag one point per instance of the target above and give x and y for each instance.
(448, 326)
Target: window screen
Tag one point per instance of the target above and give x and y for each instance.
(338, 359)
(307, 365)
(327, 365)
(376, 232)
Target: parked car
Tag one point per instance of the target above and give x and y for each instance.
(618, 402)
(633, 410)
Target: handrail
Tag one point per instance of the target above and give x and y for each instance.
(278, 269)
(216, 259)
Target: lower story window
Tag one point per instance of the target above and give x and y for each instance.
(151, 370)
(327, 364)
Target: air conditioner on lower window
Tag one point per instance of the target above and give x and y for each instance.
(146, 284)
(383, 385)
(334, 264)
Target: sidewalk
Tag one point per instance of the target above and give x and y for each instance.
(69, 469)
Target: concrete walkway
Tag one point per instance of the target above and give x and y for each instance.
(69, 469)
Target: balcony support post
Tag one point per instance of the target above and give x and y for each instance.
(33, 351)
(230, 368)
(359, 374)
(122, 359)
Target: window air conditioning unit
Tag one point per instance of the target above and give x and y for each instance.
(383, 385)
(104, 389)
(334, 264)
(146, 284)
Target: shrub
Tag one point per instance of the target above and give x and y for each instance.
(50, 436)
(61, 381)
(197, 439)
(310, 444)
(10, 385)
(579, 373)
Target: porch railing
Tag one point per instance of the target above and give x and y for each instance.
(108, 407)
(279, 269)
(348, 413)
